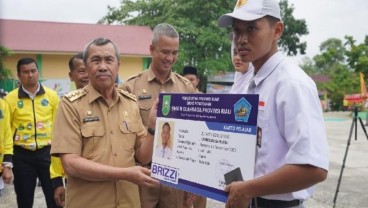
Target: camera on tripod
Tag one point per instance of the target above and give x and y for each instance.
(354, 125)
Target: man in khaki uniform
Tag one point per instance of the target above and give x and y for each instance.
(147, 86)
(98, 135)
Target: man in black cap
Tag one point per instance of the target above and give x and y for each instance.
(190, 73)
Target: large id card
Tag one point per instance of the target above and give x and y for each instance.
(205, 141)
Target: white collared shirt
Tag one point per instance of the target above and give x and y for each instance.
(31, 95)
(163, 152)
(291, 119)
(241, 81)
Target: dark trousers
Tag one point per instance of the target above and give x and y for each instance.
(28, 166)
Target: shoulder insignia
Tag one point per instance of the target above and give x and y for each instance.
(135, 76)
(127, 94)
(185, 80)
(76, 94)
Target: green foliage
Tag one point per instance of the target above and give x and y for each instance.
(293, 30)
(332, 53)
(342, 64)
(4, 73)
(357, 56)
(343, 81)
(202, 43)
(309, 67)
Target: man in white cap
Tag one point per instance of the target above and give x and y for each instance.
(292, 153)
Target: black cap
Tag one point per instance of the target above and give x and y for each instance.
(190, 70)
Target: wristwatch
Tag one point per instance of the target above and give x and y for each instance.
(151, 131)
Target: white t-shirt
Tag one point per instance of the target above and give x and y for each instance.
(163, 152)
(291, 119)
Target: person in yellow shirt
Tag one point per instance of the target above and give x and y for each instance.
(32, 111)
(78, 75)
(6, 144)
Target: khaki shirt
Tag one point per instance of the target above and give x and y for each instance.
(197, 91)
(146, 87)
(87, 126)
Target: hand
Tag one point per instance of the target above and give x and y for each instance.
(153, 115)
(238, 197)
(59, 196)
(141, 176)
(189, 198)
(7, 175)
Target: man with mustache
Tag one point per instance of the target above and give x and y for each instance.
(32, 112)
(147, 87)
(292, 150)
(98, 135)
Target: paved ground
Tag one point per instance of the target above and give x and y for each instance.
(354, 184)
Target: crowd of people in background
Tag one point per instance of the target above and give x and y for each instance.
(93, 147)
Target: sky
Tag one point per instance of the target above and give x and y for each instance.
(325, 18)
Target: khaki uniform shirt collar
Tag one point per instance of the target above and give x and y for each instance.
(152, 76)
(93, 94)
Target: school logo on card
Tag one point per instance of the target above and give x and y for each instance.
(242, 110)
(166, 105)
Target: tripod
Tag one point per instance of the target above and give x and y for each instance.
(354, 124)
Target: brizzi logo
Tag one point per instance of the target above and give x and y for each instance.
(165, 173)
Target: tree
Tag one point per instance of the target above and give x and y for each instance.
(309, 66)
(357, 56)
(293, 30)
(332, 55)
(343, 81)
(4, 73)
(202, 43)
(332, 61)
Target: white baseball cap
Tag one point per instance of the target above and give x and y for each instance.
(249, 10)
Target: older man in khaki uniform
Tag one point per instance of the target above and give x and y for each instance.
(147, 86)
(98, 135)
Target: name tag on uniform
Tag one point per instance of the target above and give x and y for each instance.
(90, 119)
(143, 97)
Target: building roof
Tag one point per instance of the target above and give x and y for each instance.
(320, 78)
(65, 38)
